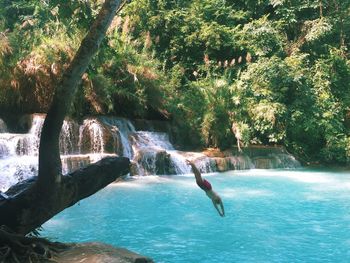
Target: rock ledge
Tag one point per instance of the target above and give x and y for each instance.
(99, 253)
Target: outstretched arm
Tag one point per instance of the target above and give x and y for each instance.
(220, 208)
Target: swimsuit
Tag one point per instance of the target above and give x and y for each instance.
(204, 185)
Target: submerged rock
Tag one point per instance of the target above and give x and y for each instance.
(99, 253)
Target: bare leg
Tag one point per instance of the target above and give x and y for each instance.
(197, 174)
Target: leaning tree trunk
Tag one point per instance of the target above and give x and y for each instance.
(28, 208)
(50, 168)
(35, 201)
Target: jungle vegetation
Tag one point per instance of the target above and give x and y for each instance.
(278, 69)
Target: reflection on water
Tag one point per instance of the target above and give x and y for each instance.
(271, 216)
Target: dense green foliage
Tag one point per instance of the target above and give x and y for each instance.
(278, 69)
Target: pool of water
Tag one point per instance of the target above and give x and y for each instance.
(271, 216)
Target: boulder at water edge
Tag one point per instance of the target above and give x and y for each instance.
(99, 253)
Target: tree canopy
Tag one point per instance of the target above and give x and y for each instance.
(280, 66)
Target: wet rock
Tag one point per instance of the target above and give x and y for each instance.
(260, 157)
(121, 129)
(262, 163)
(276, 161)
(214, 153)
(152, 161)
(222, 164)
(96, 137)
(163, 163)
(239, 162)
(16, 123)
(71, 163)
(134, 168)
(99, 253)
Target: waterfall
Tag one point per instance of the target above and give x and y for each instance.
(15, 169)
(18, 145)
(276, 161)
(95, 138)
(69, 138)
(240, 162)
(37, 124)
(179, 163)
(19, 154)
(202, 162)
(121, 128)
(152, 139)
(91, 133)
(154, 152)
(150, 153)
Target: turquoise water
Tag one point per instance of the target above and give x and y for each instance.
(271, 216)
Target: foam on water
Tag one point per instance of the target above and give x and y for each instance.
(232, 193)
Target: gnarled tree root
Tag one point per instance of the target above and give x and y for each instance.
(15, 248)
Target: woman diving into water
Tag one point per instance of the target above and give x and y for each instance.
(207, 188)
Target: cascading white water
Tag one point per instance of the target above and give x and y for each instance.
(28, 144)
(18, 153)
(15, 169)
(8, 144)
(37, 124)
(179, 161)
(91, 129)
(150, 152)
(153, 139)
(147, 145)
(96, 138)
(121, 128)
(242, 162)
(276, 160)
(69, 139)
(202, 162)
